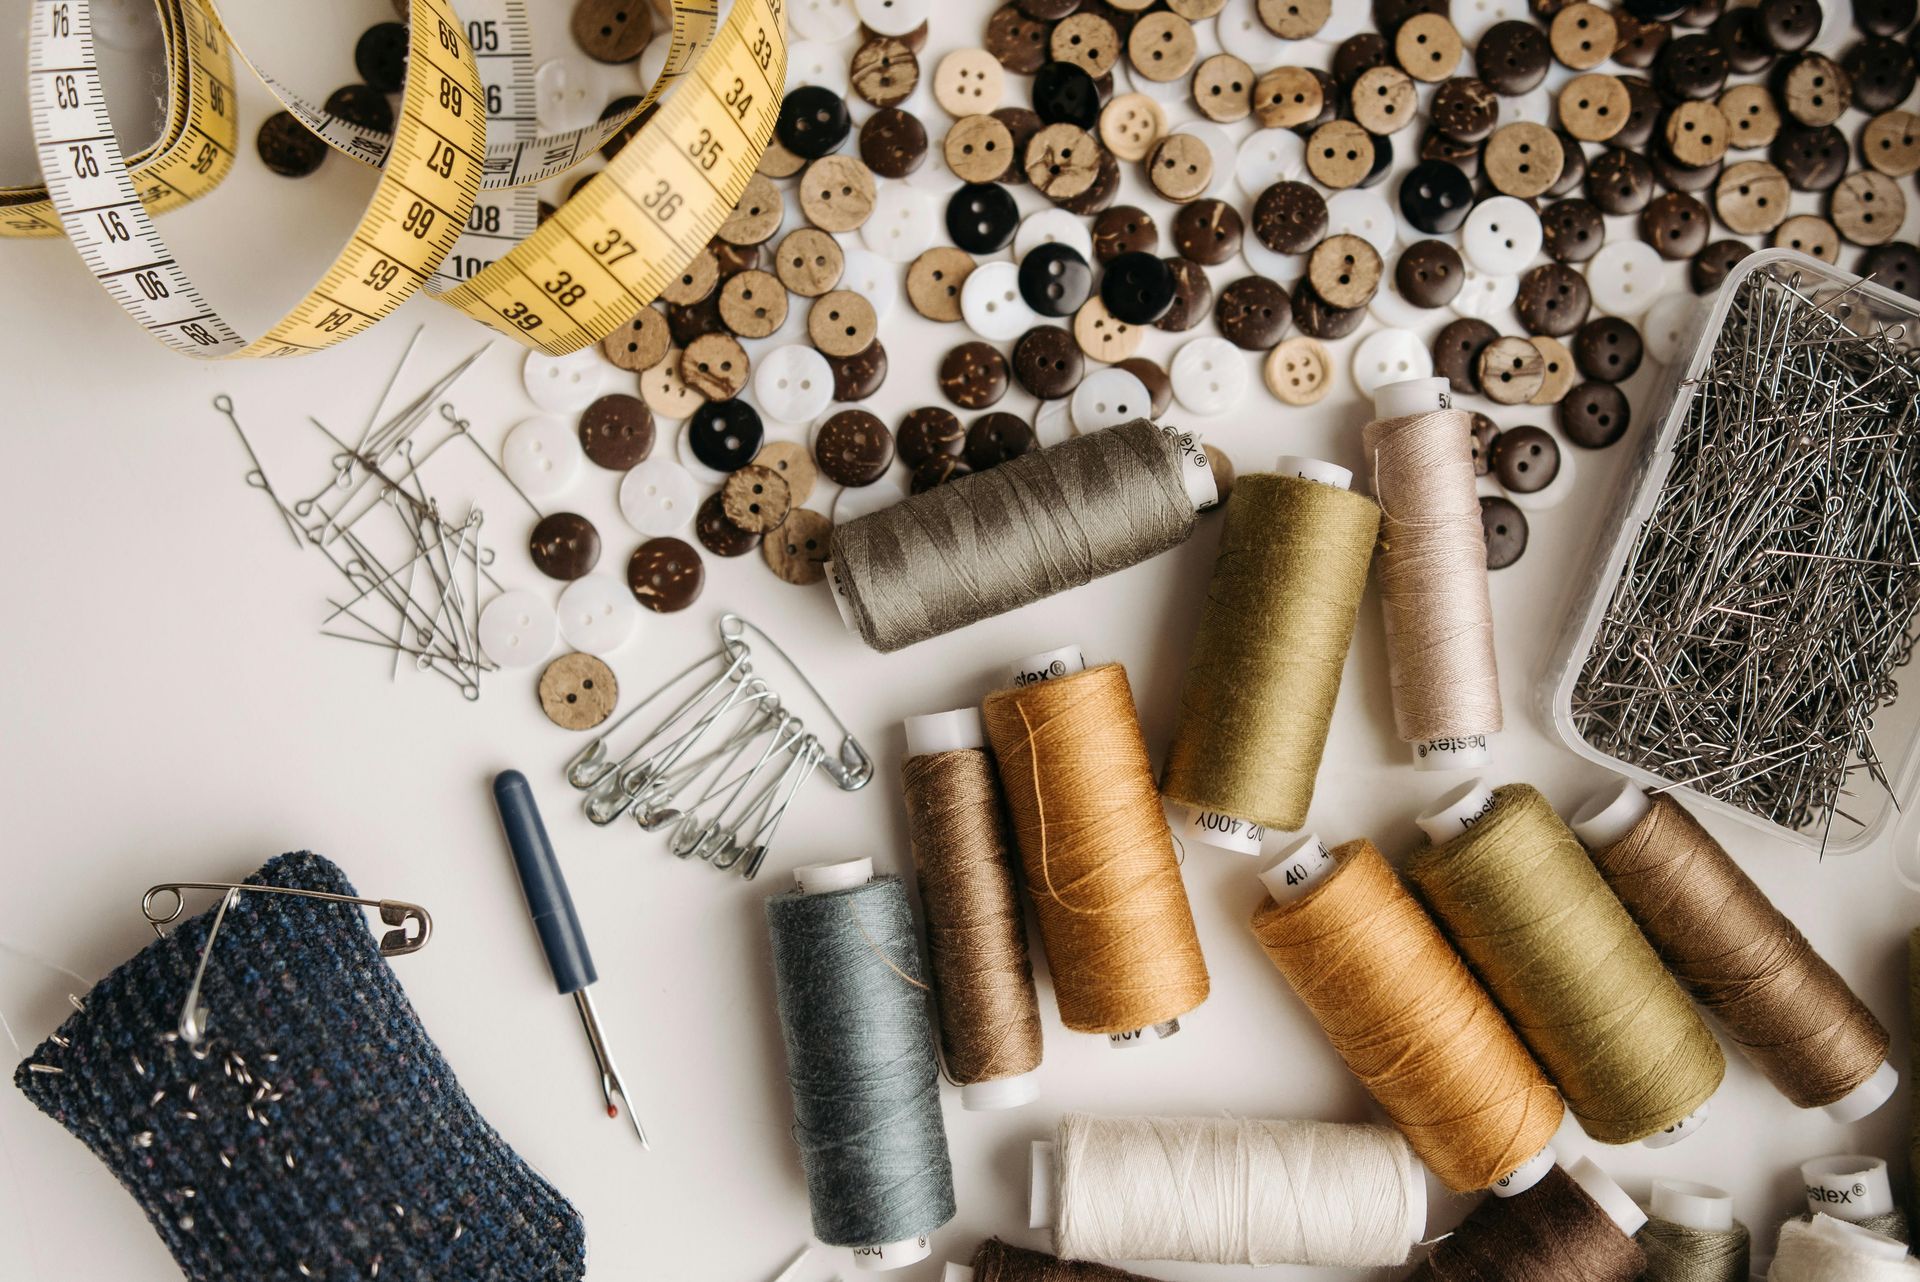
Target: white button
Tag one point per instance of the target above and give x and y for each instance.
(570, 94)
(1472, 18)
(1053, 421)
(1362, 213)
(1280, 268)
(1666, 325)
(892, 17)
(1168, 91)
(1482, 296)
(873, 278)
(1247, 38)
(1226, 156)
(1268, 156)
(856, 501)
(793, 383)
(597, 614)
(517, 629)
(658, 497)
(125, 24)
(991, 303)
(1624, 278)
(901, 226)
(816, 64)
(564, 384)
(1209, 375)
(1052, 227)
(1501, 236)
(824, 20)
(1535, 107)
(1390, 356)
(1108, 398)
(542, 456)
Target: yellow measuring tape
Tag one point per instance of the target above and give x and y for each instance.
(604, 255)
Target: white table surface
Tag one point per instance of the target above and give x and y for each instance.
(170, 712)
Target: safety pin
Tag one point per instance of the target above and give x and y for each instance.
(626, 784)
(414, 926)
(590, 765)
(257, 477)
(853, 768)
(690, 836)
(812, 754)
(651, 795)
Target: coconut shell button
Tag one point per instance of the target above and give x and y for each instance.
(756, 498)
(1017, 41)
(715, 365)
(1890, 143)
(1435, 197)
(1593, 415)
(288, 147)
(1883, 17)
(1298, 371)
(1641, 38)
(578, 691)
(1867, 208)
(1525, 460)
(1048, 10)
(974, 376)
(853, 448)
(1317, 318)
(1523, 159)
(1207, 232)
(688, 321)
(893, 142)
(1252, 313)
(1815, 90)
(758, 214)
(1466, 109)
(860, 375)
(1192, 296)
(640, 343)
(995, 438)
(1483, 433)
(813, 121)
(1553, 300)
(1222, 89)
(978, 149)
(617, 431)
(1154, 379)
(1582, 36)
(1429, 273)
(1572, 231)
(718, 534)
(1505, 528)
(1753, 119)
(797, 551)
(564, 546)
(753, 304)
(1180, 167)
(1697, 133)
(1102, 335)
(1100, 194)
(1808, 234)
(935, 280)
(808, 262)
(1645, 114)
(1340, 154)
(1511, 371)
(1344, 271)
(1137, 288)
(1357, 53)
(1608, 349)
(1675, 224)
(609, 30)
(1752, 197)
(1287, 98)
(1619, 182)
(380, 55)
(884, 72)
(1022, 125)
(1383, 100)
(1294, 19)
(1088, 41)
(1055, 279)
(841, 323)
(1427, 47)
(1558, 361)
(1594, 107)
(1290, 217)
(1737, 31)
(968, 81)
(837, 193)
(1812, 159)
(1063, 161)
(982, 217)
(1513, 57)
(1707, 272)
(1162, 47)
(1896, 267)
(936, 472)
(1789, 25)
(665, 575)
(1130, 125)
(363, 105)
(930, 431)
(1456, 352)
(1048, 362)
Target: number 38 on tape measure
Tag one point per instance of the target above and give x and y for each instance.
(572, 280)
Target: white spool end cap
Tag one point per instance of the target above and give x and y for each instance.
(1416, 1203)
(1609, 814)
(956, 1273)
(1847, 1186)
(1855, 1238)
(1456, 811)
(1316, 470)
(837, 589)
(1041, 1184)
(891, 1255)
(821, 879)
(1459, 752)
(1679, 1130)
(1298, 865)
(1223, 831)
(1047, 666)
(1867, 1096)
(1412, 396)
(1701, 1207)
(1196, 469)
(1002, 1092)
(1527, 1174)
(954, 731)
(1613, 1199)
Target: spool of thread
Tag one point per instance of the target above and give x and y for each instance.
(1228, 1191)
(1032, 527)
(1519, 898)
(1692, 1235)
(996, 1261)
(1266, 661)
(976, 941)
(1575, 1225)
(866, 1088)
(1790, 1012)
(1828, 1250)
(1408, 1017)
(1433, 575)
(1854, 1187)
(1094, 844)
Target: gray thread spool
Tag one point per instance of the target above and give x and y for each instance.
(1030, 528)
(860, 1061)
(1692, 1235)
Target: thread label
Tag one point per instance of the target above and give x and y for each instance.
(1138, 1036)
(1223, 831)
(1453, 746)
(1828, 1195)
(1048, 666)
(1486, 808)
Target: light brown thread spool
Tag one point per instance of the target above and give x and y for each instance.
(1411, 1021)
(1553, 1232)
(1788, 1011)
(1098, 856)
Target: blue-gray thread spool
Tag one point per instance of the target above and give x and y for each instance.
(860, 1062)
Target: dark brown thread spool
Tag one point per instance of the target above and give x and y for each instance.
(1554, 1232)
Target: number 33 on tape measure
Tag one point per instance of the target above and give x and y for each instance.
(586, 271)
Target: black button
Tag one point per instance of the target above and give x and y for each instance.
(1436, 197)
(362, 105)
(1593, 415)
(1065, 94)
(981, 217)
(1882, 72)
(813, 122)
(1506, 529)
(380, 56)
(1883, 17)
(1192, 296)
(1692, 67)
(1655, 10)
(1055, 279)
(1382, 161)
(1138, 288)
(725, 435)
(1896, 266)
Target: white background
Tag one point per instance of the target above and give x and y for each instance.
(169, 711)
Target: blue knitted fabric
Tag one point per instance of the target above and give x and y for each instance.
(315, 1131)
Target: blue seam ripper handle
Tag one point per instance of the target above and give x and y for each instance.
(547, 898)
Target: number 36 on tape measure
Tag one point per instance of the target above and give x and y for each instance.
(583, 273)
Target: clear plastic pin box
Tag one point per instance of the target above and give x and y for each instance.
(1871, 812)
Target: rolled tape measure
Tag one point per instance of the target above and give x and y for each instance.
(445, 183)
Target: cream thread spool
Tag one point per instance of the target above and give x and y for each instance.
(1826, 1249)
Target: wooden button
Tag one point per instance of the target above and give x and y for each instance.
(578, 691)
(979, 149)
(778, 162)
(1383, 100)
(1162, 48)
(1583, 36)
(756, 498)
(1222, 90)
(715, 365)
(794, 466)
(666, 575)
(1344, 270)
(665, 392)
(1294, 19)
(1180, 167)
(698, 279)
(841, 323)
(853, 448)
(1810, 235)
(893, 142)
(1103, 336)
(1697, 133)
(974, 376)
(753, 304)
(564, 546)
(1298, 371)
(1339, 154)
(1088, 41)
(797, 552)
(1593, 108)
(1195, 10)
(1018, 41)
(934, 281)
(836, 193)
(1511, 371)
(640, 343)
(1817, 91)
(884, 72)
(809, 262)
(1557, 361)
(1524, 159)
(719, 535)
(1063, 161)
(758, 214)
(1427, 47)
(1890, 143)
(616, 431)
(1287, 97)
(612, 30)
(1753, 118)
(968, 81)
(1751, 197)
(1130, 125)
(1868, 208)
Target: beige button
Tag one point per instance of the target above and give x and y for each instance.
(665, 392)
(1344, 270)
(640, 343)
(841, 323)
(1339, 154)
(1751, 197)
(578, 691)
(1427, 47)
(1129, 125)
(612, 30)
(1383, 100)
(1697, 133)
(758, 214)
(1512, 371)
(1088, 41)
(1817, 92)
(979, 149)
(1162, 48)
(1222, 89)
(1753, 117)
(715, 365)
(1583, 36)
(1296, 19)
(1287, 97)
(1062, 161)
(1132, 6)
(837, 193)
(1891, 143)
(884, 71)
(1810, 235)
(756, 498)
(1595, 107)
(1524, 159)
(934, 281)
(693, 284)
(777, 162)
(793, 464)
(1557, 363)
(809, 262)
(1195, 10)
(969, 81)
(753, 304)
(1867, 208)
(1298, 371)
(797, 551)
(1181, 167)
(1101, 335)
